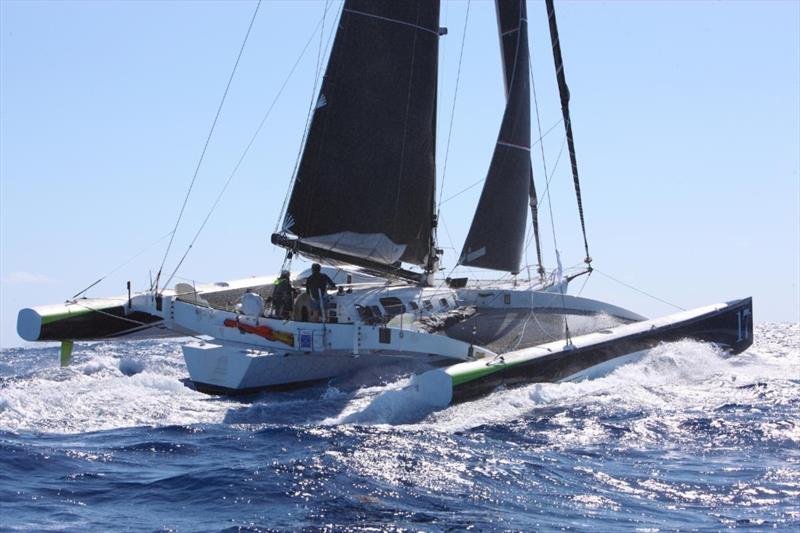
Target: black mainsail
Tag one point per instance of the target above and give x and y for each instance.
(364, 191)
(497, 234)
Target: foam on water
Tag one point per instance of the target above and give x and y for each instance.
(104, 389)
(396, 403)
(672, 378)
(687, 437)
(110, 387)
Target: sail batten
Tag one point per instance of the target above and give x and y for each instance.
(396, 21)
(496, 237)
(512, 145)
(365, 183)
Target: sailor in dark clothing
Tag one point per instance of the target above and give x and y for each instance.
(282, 300)
(317, 285)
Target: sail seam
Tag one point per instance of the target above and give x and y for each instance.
(509, 32)
(387, 19)
(512, 145)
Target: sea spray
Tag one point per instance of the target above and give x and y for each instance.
(686, 436)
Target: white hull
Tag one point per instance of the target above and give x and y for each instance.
(217, 368)
(236, 362)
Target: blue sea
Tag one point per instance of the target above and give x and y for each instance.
(686, 438)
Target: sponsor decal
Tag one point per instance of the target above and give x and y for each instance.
(262, 331)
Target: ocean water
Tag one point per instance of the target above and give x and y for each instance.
(685, 438)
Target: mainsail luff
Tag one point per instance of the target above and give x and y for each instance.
(365, 184)
(497, 234)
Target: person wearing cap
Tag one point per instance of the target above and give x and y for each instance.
(317, 285)
(282, 301)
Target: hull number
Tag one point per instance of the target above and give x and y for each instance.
(742, 319)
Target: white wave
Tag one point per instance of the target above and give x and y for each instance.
(658, 390)
(123, 385)
(669, 381)
(398, 404)
(104, 390)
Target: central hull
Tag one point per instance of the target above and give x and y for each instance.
(233, 369)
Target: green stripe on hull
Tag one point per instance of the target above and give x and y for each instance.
(461, 377)
(49, 319)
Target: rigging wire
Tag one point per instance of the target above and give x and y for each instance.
(481, 180)
(245, 152)
(132, 321)
(205, 146)
(404, 138)
(126, 263)
(561, 283)
(585, 281)
(450, 131)
(544, 160)
(530, 307)
(453, 111)
(547, 183)
(641, 291)
(553, 173)
(449, 237)
(563, 91)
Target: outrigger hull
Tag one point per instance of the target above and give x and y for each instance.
(89, 319)
(728, 325)
(141, 316)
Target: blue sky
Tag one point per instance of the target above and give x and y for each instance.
(686, 119)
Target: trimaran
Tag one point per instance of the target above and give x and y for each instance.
(363, 204)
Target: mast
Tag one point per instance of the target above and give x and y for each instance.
(497, 235)
(364, 191)
(563, 91)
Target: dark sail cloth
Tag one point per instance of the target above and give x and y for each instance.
(282, 300)
(496, 238)
(382, 70)
(317, 285)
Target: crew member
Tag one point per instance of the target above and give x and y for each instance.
(317, 285)
(282, 296)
